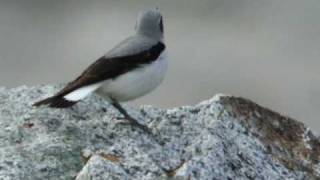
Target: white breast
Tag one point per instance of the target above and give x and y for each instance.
(136, 83)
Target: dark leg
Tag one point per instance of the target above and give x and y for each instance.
(129, 118)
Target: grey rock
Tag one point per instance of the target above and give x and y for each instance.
(225, 137)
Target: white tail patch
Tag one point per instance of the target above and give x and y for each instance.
(82, 92)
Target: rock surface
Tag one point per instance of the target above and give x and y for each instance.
(222, 138)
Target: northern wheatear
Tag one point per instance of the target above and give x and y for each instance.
(133, 68)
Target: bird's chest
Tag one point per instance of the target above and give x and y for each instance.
(138, 82)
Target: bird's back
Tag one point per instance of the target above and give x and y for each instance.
(132, 45)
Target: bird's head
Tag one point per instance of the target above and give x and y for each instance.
(150, 23)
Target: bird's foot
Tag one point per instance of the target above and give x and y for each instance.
(134, 122)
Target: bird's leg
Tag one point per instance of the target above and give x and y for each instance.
(131, 120)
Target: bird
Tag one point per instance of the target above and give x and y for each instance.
(133, 68)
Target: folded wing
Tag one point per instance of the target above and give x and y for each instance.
(105, 68)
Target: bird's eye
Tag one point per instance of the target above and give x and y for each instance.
(161, 25)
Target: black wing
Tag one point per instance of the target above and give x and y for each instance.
(108, 68)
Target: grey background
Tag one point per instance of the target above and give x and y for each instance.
(265, 50)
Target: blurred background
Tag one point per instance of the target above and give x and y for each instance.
(264, 50)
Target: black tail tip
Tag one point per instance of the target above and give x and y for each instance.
(55, 102)
(43, 102)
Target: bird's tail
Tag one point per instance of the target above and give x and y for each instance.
(55, 102)
(68, 96)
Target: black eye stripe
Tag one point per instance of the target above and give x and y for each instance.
(161, 25)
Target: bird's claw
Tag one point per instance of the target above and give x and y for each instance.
(133, 122)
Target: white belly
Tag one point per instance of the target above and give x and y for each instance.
(136, 83)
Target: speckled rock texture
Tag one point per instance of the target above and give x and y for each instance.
(225, 137)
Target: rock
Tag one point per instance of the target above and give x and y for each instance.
(225, 137)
